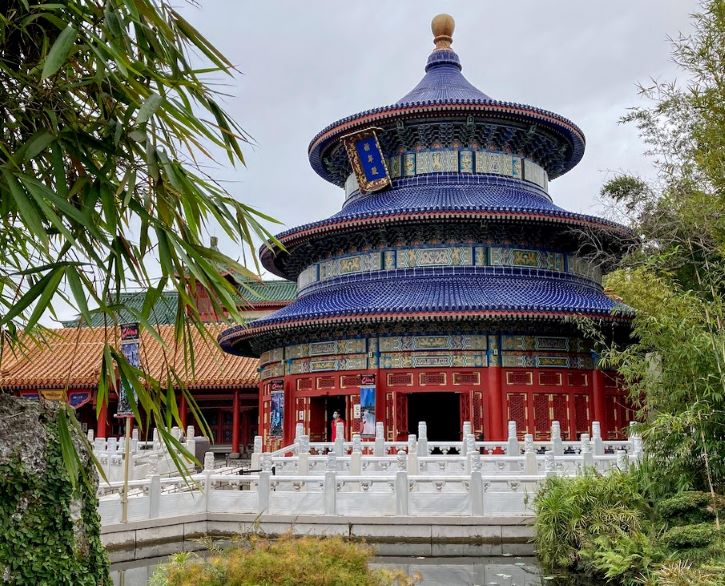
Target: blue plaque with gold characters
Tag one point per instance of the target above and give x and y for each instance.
(367, 160)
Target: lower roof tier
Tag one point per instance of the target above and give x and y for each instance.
(434, 198)
(493, 293)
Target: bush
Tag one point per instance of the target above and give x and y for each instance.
(690, 536)
(287, 561)
(571, 513)
(688, 508)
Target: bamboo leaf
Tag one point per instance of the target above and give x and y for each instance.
(59, 51)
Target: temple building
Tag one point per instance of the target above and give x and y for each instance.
(449, 286)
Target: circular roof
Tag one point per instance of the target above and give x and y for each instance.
(444, 92)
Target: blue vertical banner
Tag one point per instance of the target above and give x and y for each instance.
(367, 411)
(131, 350)
(367, 160)
(276, 414)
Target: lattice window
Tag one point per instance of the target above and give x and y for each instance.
(542, 423)
(325, 382)
(518, 411)
(350, 380)
(465, 404)
(401, 416)
(581, 413)
(389, 416)
(432, 378)
(400, 379)
(305, 384)
(466, 378)
(560, 410)
(519, 377)
(550, 379)
(477, 412)
(578, 379)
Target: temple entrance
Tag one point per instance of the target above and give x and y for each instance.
(440, 411)
(321, 410)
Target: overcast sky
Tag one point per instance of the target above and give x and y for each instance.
(307, 64)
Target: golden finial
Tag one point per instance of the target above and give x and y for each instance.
(443, 26)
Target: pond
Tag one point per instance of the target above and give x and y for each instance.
(447, 571)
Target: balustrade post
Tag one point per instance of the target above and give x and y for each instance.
(90, 435)
(512, 447)
(556, 444)
(330, 492)
(208, 461)
(134, 440)
(622, 463)
(379, 439)
(299, 431)
(467, 429)
(303, 455)
(339, 438)
(530, 466)
(476, 492)
(412, 454)
(263, 490)
(254, 464)
(586, 452)
(154, 496)
(597, 443)
(422, 438)
(401, 492)
(156, 440)
(637, 451)
(549, 463)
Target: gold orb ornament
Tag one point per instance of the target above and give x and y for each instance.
(443, 26)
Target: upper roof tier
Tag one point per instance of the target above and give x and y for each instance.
(551, 140)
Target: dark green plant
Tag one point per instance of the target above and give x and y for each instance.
(571, 513)
(624, 558)
(687, 508)
(691, 536)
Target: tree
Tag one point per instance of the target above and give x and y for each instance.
(675, 279)
(106, 118)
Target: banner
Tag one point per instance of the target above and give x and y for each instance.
(130, 348)
(276, 415)
(367, 411)
(53, 394)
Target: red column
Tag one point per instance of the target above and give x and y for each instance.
(496, 433)
(101, 421)
(600, 409)
(235, 422)
(182, 411)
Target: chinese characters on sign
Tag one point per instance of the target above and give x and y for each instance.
(367, 160)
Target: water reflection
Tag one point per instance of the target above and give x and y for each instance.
(484, 571)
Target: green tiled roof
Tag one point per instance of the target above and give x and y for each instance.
(252, 292)
(276, 291)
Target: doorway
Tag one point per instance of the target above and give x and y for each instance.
(440, 411)
(321, 410)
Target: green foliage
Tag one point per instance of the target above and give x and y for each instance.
(687, 508)
(690, 536)
(674, 366)
(622, 559)
(108, 127)
(288, 560)
(571, 514)
(49, 528)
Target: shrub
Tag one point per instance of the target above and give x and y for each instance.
(623, 559)
(287, 561)
(571, 513)
(688, 508)
(690, 536)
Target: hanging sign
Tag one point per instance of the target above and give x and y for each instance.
(130, 348)
(77, 399)
(367, 160)
(367, 380)
(53, 394)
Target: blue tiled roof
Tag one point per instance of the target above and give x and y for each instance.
(439, 290)
(443, 81)
(459, 192)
